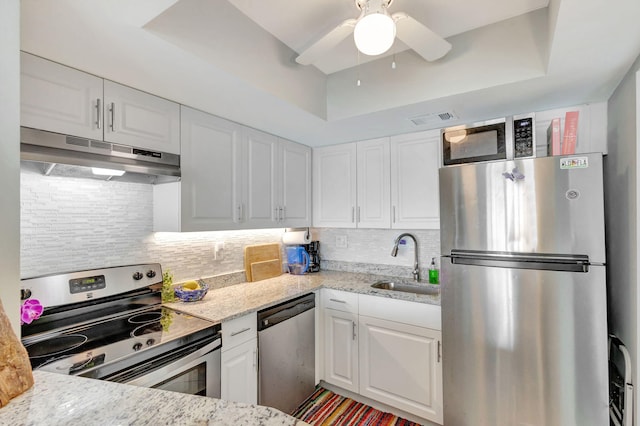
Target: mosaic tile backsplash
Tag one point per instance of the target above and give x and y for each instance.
(70, 224)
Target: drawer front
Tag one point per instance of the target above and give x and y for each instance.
(413, 313)
(340, 300)
(239, 330)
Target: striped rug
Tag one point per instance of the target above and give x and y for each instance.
(324, 407)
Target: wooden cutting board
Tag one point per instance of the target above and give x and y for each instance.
(262, 261)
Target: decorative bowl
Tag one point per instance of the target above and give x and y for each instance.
(191, 295)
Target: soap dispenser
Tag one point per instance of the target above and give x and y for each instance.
(433, 272)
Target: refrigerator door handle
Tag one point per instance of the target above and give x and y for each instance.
(548, 262)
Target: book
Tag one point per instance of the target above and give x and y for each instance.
(570, 137)
(553, 137)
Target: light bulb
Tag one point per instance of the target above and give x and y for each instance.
(106, 172)
(374, 33)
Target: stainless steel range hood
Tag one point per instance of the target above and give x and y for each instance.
(55, 154)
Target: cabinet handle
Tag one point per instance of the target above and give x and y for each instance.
(240, 212)
(112, 110)
(353, 327)
(98, 113)
(255, 359)
(439, 355)
(235, 333)
(338, 301)
(284, 212)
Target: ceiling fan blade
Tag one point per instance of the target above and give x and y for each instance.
(425, 42)
(326, 42)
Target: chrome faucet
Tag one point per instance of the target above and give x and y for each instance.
(394, 253)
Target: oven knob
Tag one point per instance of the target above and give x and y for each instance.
(137, 346)
(137, 276)
(25, 293)
(150, 342)
(151, 273)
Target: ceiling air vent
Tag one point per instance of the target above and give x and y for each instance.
(435, 118)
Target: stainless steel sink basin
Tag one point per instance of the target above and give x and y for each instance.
(406, 287)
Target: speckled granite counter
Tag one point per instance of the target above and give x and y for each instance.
(234, 301)
(57, 399)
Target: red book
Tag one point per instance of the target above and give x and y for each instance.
(570, 133)
(553, 137)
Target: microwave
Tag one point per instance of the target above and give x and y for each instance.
(500, 139)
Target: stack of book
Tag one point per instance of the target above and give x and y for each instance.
(566, 145)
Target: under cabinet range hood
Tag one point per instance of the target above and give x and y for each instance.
(55, 154)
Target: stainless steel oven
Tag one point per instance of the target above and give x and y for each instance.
(109, 324)
(192, 370)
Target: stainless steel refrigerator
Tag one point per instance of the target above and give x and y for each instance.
(524, 320)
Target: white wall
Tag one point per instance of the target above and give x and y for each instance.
(9, 158)
(621, 201)
(373, 246)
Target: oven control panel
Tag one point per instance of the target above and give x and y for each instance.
(69, 288)
(80, 285)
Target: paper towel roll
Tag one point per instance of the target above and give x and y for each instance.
(296, 237)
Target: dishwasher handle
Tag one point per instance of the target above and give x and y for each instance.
(274, 316)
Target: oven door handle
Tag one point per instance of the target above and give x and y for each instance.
(170, 367)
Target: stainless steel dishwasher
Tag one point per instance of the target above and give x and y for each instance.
(286, 348)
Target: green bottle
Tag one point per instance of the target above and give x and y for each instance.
(433, 272)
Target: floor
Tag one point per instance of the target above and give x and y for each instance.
(324, 407)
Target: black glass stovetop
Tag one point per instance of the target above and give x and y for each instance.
(81, 350)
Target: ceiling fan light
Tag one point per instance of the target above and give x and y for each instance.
(374, 33)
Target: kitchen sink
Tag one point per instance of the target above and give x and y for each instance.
(406, 287)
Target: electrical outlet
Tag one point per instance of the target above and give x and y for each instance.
(341, 241)
(218, 251)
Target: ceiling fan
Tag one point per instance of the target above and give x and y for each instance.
(374, 32)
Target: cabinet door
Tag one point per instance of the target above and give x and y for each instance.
(374, 184)
(295, 184)
(400, 365)
(139, 119)
(414, 181)
(59, 99)
(259, 205)
(211, 172)
(239, 374)
(334, 186)
(341, 349)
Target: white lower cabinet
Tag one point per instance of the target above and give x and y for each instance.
(384, 349)
(239, 373)
(400, 365)
(341, 349)
(239, 363)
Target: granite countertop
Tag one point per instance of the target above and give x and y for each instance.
(57, 399)
(234, 301)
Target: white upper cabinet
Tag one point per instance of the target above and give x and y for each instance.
(211, 173)
(60, 99)
(64, 100)
(334, 186)
(139, 119)
(293, 184)
(373, 184)
(260, 207)
(351, 185)
(415, 196)
(380, 183)
(234, 177)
